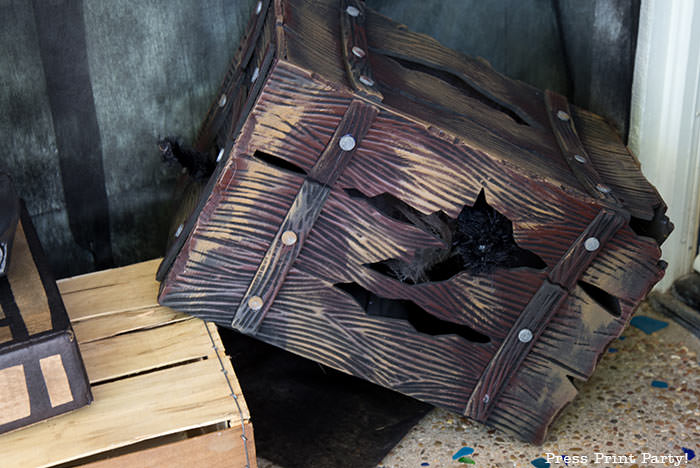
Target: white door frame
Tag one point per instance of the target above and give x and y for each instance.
(665, 120)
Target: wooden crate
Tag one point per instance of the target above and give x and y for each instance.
(396, 210)
(165, 392)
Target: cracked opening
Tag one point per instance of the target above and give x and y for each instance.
(456, 82)
(478, 241)
(416, 316)
(278, 162)
(604, 299)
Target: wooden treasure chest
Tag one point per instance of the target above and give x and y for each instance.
(388, 207)
(41, 370)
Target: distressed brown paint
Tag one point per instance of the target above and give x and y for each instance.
(440, 129)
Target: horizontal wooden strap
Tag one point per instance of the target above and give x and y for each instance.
(561, 120)
(539, 311)
(295, 227)
(355, 49)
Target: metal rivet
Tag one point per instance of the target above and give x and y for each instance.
(366, 80)
(179, 230)
(525, 335)
(579, 158)
(347, 142)
(563, 116)
(255, 303)
(603, 188)
(481, 247)
(256, 73)
(591, 244)
(222, 100)
(289, 238)
(220, 155)
(486, 398)
(359, 52)
(258, 8)
(352, 11)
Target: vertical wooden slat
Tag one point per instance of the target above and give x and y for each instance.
(572, 149)
(577, 259)
(539, 311)
(355, 49)
(301, 217)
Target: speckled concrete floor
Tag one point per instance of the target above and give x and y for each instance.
(617, 413)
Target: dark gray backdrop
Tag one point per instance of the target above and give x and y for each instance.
(89, 86)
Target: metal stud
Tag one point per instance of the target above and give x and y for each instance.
(258, 8)
(255, 303)
(256, 73)
(358, 52)
(352, 11)
(525, 335)
(289, 238)
(603, 188)
(563, 116)
(222, 100)
(366, 80)
(592, 244)
(486, 398)
(579, 158)
(179, 230)
(347, 142)
(220, 155)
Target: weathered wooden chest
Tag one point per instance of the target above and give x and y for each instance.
(41, 370)
(393, 209)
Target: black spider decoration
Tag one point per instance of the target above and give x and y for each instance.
(198, 165)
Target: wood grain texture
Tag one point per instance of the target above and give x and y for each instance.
(577, 259)
(395, 40)
(120, 289)
(449, 128)
(106, 326)
(146, 350)
(195, 398)
(232, 86)
(616, 165)
(355, 50)
(273, 268)
(560, 118)
(513, 351)
(220, 448)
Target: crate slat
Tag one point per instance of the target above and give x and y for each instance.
(221, 448)
(110, 291)
(110, 325)
(146, 350)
